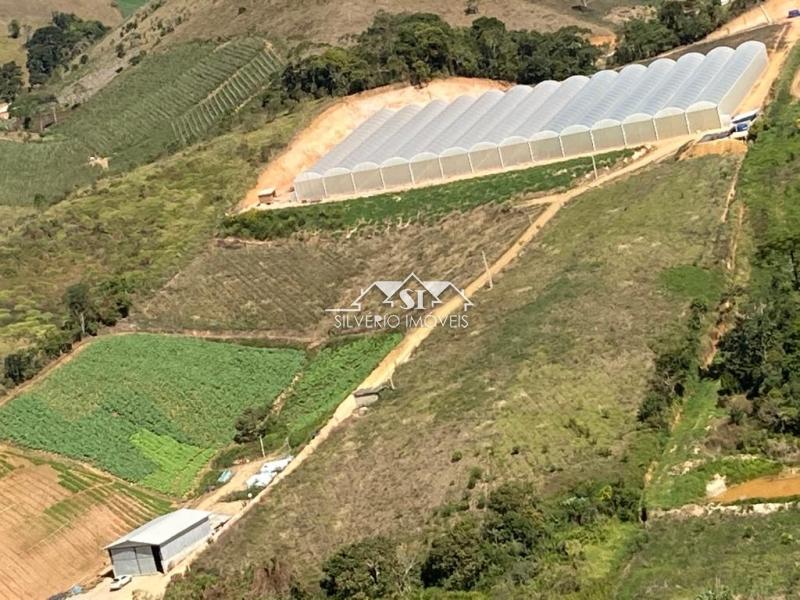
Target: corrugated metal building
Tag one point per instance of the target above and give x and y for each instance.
(579, 116)
(150, 548)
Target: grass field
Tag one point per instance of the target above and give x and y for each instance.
(167, 101)
(753, 556)
(425, 205)
(149, 409)
(544, 385)
(285, 287)
(57, 516)
(143, 227)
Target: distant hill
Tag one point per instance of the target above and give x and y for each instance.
(163, 23)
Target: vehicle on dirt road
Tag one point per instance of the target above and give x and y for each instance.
(120, 582)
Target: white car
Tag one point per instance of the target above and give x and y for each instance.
(120, 582)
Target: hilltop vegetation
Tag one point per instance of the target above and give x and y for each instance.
(543, 389)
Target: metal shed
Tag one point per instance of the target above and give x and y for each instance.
(150, 548)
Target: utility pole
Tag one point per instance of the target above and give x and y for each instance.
(594, 167)
(488, 271)
(261, 441)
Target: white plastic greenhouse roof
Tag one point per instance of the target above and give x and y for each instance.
(579, 103)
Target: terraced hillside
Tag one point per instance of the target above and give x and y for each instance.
(543, 387)
(149, 409)
(56, 518)
(167, 101)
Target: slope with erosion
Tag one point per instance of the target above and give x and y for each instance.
(538, 358)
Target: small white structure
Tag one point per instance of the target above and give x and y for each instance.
(151, 547)
(5, 109)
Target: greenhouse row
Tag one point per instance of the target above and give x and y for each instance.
(497, 130)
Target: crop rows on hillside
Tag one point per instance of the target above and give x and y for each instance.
(235, 91)
(160, 105)
(57, 516)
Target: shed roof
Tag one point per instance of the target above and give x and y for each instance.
(162, 529)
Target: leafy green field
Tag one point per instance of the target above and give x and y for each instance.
(167, 101)
(150, 409)
(332, 374)
(128, 7)
(425, 205)
(752, 556)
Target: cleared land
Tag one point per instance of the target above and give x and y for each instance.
(544, 385)
(149, 409)
(56, 517)
(755, 556)
(167, 101)
(284, 287)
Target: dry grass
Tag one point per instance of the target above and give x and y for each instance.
(284, 287)
(38, 12)
(544, 384)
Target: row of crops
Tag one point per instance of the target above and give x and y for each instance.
(155, 409)
(234, 92)
(47, 169)
(134, 119)
(332, 374)
(165, 102)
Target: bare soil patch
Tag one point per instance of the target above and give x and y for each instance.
(52, 538)
(780, 486)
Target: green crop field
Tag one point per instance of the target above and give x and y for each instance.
(150, 409)
(331, 374)
(543, 386)
(128, 7)
(167, 101)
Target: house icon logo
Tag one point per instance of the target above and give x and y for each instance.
(405, 303)
(411, 293)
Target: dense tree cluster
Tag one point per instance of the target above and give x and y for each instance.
(54, 45)
(10, 81)
(677, 22)
(417, 46)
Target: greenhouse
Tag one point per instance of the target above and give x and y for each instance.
(552, 120)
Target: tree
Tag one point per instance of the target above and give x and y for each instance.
(363, 570)
(13, 29)
(81, 307)
(640, 39)
(457, 558)
(56, 44)
(10, 81)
